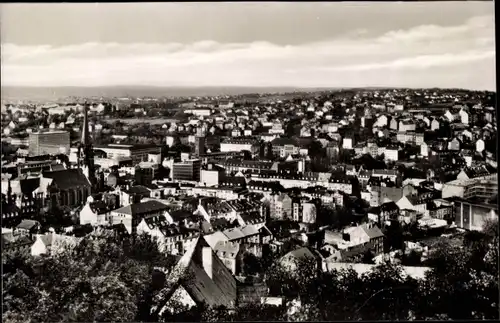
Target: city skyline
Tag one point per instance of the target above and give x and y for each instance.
(251, 44)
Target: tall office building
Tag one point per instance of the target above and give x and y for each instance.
(199, 146)
(49, 143)
(188, 170)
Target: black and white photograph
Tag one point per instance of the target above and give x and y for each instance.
(249, 161)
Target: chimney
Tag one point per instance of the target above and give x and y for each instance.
(207, 260)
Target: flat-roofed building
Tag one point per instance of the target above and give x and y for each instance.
(471, 188)
(137, 153)
(240, 144)
(472, 215)
(188, 170)
(49, 143)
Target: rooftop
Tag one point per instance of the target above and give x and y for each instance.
(142, 208)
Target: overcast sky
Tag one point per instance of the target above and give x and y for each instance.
(422, 44)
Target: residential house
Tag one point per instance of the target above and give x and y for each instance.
(406, 126)
(357, 238)
(230, 254)
(392, 153)
(425, 150)
(348, 142)
(304, 212)
(394, 124)
(435, 124)
(172, 238)
(291, 261)
(95, 213)
(27, 228)
(281, 206)
(133, 194)
(382, 121)
(52, 243)
(211, 282)
(454, 144)
(283, 147)
(414, 202)
(479, 172)
(380, 192)
(452, 114)
(480, 145)
(441, 209)
(131, 215)
(464, 116)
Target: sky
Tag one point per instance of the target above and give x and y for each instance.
(337, 44)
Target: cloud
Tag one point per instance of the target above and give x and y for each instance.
(392, 59)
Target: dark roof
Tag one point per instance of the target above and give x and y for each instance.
(99, 207)
(57, 167)
(142, 208)
(272, 186)
(284, 141)
(206, 227)
(138, 189)
(389, 206)
(252, 217)
(68, 178)
(473, 172)
(179, 215)
(173, 230)
(29, 185)
(220, 224)
(302, 253)
(216, 291)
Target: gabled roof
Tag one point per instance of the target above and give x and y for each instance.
(214, 238)
(301, 254)
(473, 172)
(249, 230)
(180, 215)
(372, 231)
(142, 208)
(233, 234)
(189, 273)
(389, 206)
(226, 249)
(28, 224)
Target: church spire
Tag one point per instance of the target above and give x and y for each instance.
(86, 152)
(85, 131)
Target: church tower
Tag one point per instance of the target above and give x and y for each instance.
(86, 152)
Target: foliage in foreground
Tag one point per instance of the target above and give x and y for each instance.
(104, 280)
(101, 280)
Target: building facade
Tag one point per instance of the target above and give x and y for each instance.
(49, 143)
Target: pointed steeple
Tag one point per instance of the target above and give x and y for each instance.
(85, 131)
(85, 151)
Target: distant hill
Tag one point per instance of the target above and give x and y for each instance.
(52, 93)
(15, 93)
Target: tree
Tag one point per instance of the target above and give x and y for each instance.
(251, 264)
(102, 279)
